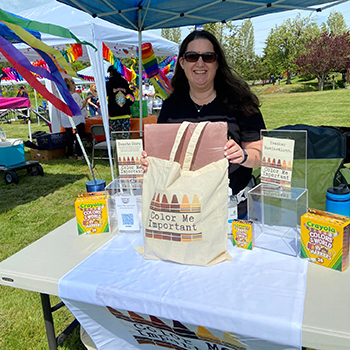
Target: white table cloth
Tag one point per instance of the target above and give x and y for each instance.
(254, 302)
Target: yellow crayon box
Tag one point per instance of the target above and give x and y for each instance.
(325, 239)
(243, 234)
(91, 213)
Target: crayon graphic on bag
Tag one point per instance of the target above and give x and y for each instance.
(186, 237)
(166, 236)
(204, 334)
(157, 205)
(153, 202)
(124, 161)
(157, 234)
(183, 331)
(195, 206)
(176, 237)
(197, 237)
(174, 205)
(185, 204)
(159, 324)
(149, 233)
(165, 206)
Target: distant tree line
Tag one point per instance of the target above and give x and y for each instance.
(298, 45)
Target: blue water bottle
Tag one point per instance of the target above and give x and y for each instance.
(338, 200)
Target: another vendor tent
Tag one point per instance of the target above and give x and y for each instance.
(88, 71)
(123, 42)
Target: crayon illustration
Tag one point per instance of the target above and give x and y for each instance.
(182, 330)
(165, 206)
(204, 334)
(174, 205)
(195, 206)
(185, 204)
(157, 204)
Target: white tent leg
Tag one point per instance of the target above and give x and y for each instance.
(36, 106)
(29, 128)
(82, 147)
(96, 60)
(140, 70)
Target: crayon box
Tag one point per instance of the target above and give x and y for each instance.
(243, 234)
(91, 213)
(325, 239)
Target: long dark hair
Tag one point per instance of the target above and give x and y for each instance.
(230, 88)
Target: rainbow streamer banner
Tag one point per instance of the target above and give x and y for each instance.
(109, 56)
(51, 59)
(41, 27)
(160, 82)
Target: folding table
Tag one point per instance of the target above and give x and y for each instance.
(39, 267)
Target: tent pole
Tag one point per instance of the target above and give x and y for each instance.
(30, 129)
(82, 147)
(140, 69)
(36, 106)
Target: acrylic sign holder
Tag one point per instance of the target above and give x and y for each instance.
(277, 203)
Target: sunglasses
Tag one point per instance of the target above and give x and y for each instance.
(207, 57)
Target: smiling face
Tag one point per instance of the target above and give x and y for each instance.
(200, 74)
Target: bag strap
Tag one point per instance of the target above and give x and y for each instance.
(192, 145)
(178, 138)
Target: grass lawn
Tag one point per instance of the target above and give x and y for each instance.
(38, 204)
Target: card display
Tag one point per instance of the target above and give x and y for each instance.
(129, 156)
(277, 161)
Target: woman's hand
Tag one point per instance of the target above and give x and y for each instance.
(144, 162)
(233, 152)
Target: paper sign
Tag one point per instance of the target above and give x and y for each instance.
(129, 156)
(277, 161)
(126, 208)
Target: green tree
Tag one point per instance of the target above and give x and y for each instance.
(335, 24)
(172, 34)
(286, 42)
(218, 30)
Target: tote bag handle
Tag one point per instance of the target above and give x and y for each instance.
(179, 135)
(192, 145)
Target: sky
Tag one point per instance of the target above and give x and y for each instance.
(262, 25)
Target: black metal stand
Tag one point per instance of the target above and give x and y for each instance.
(49, 325)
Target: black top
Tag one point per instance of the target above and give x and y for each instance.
(117, 90)
(180, 107)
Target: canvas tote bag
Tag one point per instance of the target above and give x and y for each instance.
(184, 212)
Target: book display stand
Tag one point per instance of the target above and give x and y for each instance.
(277, 203)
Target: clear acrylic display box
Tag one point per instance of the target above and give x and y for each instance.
(275, 212)
(123, 188)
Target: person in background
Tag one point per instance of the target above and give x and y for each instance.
(79, 121)
(93, 101)
(120, 97)
(206, 89)
(22, 92)
(148, 93)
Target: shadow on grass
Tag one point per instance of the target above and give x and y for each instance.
(31, 188)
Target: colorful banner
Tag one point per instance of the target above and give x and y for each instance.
(40, 27)
(159, 81)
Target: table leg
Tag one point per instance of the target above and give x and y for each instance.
(50, 329)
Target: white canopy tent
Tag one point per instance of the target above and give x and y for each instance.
(122, 42)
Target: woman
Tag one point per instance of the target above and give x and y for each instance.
(79, 121)
(206, 89)
(120, 97)
(93, 101)
(22, 92)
